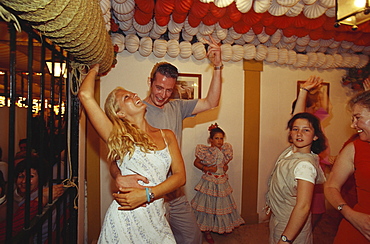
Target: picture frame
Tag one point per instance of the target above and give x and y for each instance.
(319, 97)
(188, 86)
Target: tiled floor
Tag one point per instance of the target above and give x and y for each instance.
(324, 232)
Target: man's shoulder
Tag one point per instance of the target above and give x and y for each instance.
(183, 102)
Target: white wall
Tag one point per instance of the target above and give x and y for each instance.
(132, 72)
(278, 90)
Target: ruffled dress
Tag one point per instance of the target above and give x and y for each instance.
(213, 204)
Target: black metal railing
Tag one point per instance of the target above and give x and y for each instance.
(49, 122)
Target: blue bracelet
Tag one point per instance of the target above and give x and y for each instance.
(147, 195)
(303, 88)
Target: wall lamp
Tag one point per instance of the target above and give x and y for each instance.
(59, 68)
(352, 12)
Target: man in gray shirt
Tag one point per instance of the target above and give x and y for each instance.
(169, 114)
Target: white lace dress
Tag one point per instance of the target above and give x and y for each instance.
(143, 224)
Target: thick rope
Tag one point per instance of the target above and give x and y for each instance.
(8, 17)
(77, 70)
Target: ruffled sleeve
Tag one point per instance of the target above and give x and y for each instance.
(206, 154)
(201, 151)
(227, 150)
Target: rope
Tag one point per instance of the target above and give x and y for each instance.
(69, 182)
(75, 80)
(8, 17)
(76, 71)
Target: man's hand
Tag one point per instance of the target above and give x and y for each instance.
(130, 198)
(214, 52)
(130, 181)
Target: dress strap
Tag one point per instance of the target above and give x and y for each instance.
(164, 138)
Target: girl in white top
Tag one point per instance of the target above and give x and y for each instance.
(292, 181)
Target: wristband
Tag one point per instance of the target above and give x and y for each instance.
(285, 239)
(151, 195)
(340, 206)
(147, 195)
(218, 67)
(303, 88)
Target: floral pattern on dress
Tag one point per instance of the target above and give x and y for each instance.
(143, 224)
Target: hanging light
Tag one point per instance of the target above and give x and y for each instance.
(59, 68)
(352, 12)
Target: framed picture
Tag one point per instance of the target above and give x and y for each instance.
(188, 86)
(319, 97)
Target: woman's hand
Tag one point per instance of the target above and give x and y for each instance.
(123, 181)
(130, 198)
(312, 82)
(361, 222)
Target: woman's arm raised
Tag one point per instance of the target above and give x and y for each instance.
(95, 114)
(310, 83)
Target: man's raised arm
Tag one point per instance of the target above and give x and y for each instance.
(214, 91)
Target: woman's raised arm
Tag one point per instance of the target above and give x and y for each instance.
(310, 83)
(95, 114)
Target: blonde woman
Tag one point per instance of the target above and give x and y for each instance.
(140, 149)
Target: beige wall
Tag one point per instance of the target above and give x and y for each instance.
(278, 90)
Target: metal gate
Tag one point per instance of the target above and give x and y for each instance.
(37, 106)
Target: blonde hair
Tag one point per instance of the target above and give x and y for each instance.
(124, 135)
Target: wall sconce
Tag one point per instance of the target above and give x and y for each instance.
(352, 12)
(59, 68)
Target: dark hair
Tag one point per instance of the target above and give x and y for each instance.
(362, 99)
(35, 163)
(318, 145)
(213, 129)
(165, 69)
(22, 141)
